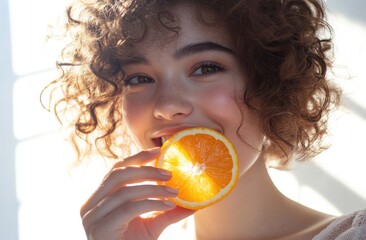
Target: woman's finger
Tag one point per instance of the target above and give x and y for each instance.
(127, 194)
(120, 218)
(140, 158)
(119, 177)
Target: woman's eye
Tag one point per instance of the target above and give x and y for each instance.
(207, 68)
(136, 80)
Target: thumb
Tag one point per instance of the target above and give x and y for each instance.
(157, 225)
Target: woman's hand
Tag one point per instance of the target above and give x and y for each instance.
(113, 211)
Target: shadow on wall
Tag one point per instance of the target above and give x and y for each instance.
(354, 107)
(334, 191)
(9, 205)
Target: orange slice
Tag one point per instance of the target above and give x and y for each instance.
(204, 166)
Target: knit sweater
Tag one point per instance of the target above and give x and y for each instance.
(347, 227)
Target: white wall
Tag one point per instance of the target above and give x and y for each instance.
(39, 200)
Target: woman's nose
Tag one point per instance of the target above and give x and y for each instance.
(172, 104)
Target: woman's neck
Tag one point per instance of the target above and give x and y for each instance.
(254, 210)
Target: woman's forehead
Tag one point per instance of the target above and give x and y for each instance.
(187, 28)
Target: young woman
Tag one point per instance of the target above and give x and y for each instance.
(255, 70)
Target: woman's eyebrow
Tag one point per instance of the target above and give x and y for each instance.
(201, 47)
(135, 59)
(182, 52)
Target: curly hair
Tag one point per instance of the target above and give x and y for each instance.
(282, 45)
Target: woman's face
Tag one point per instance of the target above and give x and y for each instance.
(185, 80)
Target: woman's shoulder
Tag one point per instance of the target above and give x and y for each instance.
(351, 226)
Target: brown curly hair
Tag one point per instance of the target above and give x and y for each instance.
(282, 45)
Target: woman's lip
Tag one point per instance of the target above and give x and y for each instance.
(168, 131)
(160, 136)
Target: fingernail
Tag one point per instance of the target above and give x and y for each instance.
(164, 172)
(168, 203)
(172, 190)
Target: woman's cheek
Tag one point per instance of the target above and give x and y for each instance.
(220, 103)
(133, 112)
